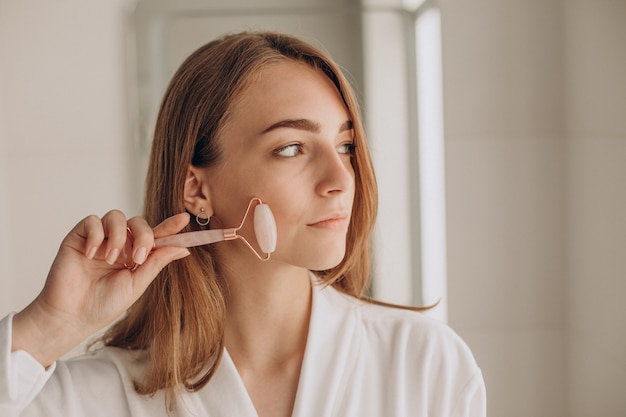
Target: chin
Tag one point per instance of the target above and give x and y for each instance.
(323, 263)
(318, 257)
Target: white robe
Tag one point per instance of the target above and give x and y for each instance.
(360, 360)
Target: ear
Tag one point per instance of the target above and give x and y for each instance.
(196, 192)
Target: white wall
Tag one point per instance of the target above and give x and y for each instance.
(386, 117)
(595, 68)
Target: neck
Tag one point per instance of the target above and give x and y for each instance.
(267, 316)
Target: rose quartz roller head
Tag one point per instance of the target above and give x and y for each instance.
(264, 230)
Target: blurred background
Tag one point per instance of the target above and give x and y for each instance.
(498, 129)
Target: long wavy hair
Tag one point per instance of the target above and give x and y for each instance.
(180, 322)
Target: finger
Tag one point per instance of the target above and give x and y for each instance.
(143, 239)
(154, 264)
(171, 225)
(114, 224)
(90, 228)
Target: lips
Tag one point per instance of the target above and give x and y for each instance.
(333, 221)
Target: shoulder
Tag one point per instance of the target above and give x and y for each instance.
(422, 360)
(108, 363)
(404, 332)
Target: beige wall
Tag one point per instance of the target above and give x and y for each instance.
(535, 109)
(506, 187)
(6, 282)
(595, 69)
(63, 130)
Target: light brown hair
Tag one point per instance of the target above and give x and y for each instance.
(179, 320)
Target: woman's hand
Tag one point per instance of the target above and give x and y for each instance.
(89, 286)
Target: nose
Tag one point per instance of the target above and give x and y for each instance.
(335, 173)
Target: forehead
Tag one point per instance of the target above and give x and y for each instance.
(285, 88)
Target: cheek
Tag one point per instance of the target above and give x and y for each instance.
(282, 193)
(288, 209)
(288, 213)
(232, 190)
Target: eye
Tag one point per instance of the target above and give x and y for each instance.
(346, 148)
(289, 151)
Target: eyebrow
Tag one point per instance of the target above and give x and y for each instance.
(305, 124)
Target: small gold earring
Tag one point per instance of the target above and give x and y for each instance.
(202, 221)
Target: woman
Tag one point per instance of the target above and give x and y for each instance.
(213, 330)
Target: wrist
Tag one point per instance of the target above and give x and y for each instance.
(42, 335)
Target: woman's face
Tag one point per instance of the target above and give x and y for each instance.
(289, 141)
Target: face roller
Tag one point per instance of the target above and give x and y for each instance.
(264, 230)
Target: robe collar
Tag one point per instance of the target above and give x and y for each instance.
(329, 352)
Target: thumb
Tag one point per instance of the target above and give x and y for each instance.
(155, 263)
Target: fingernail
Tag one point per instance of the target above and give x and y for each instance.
(140, 256)
(92, 252)
(112, 256)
